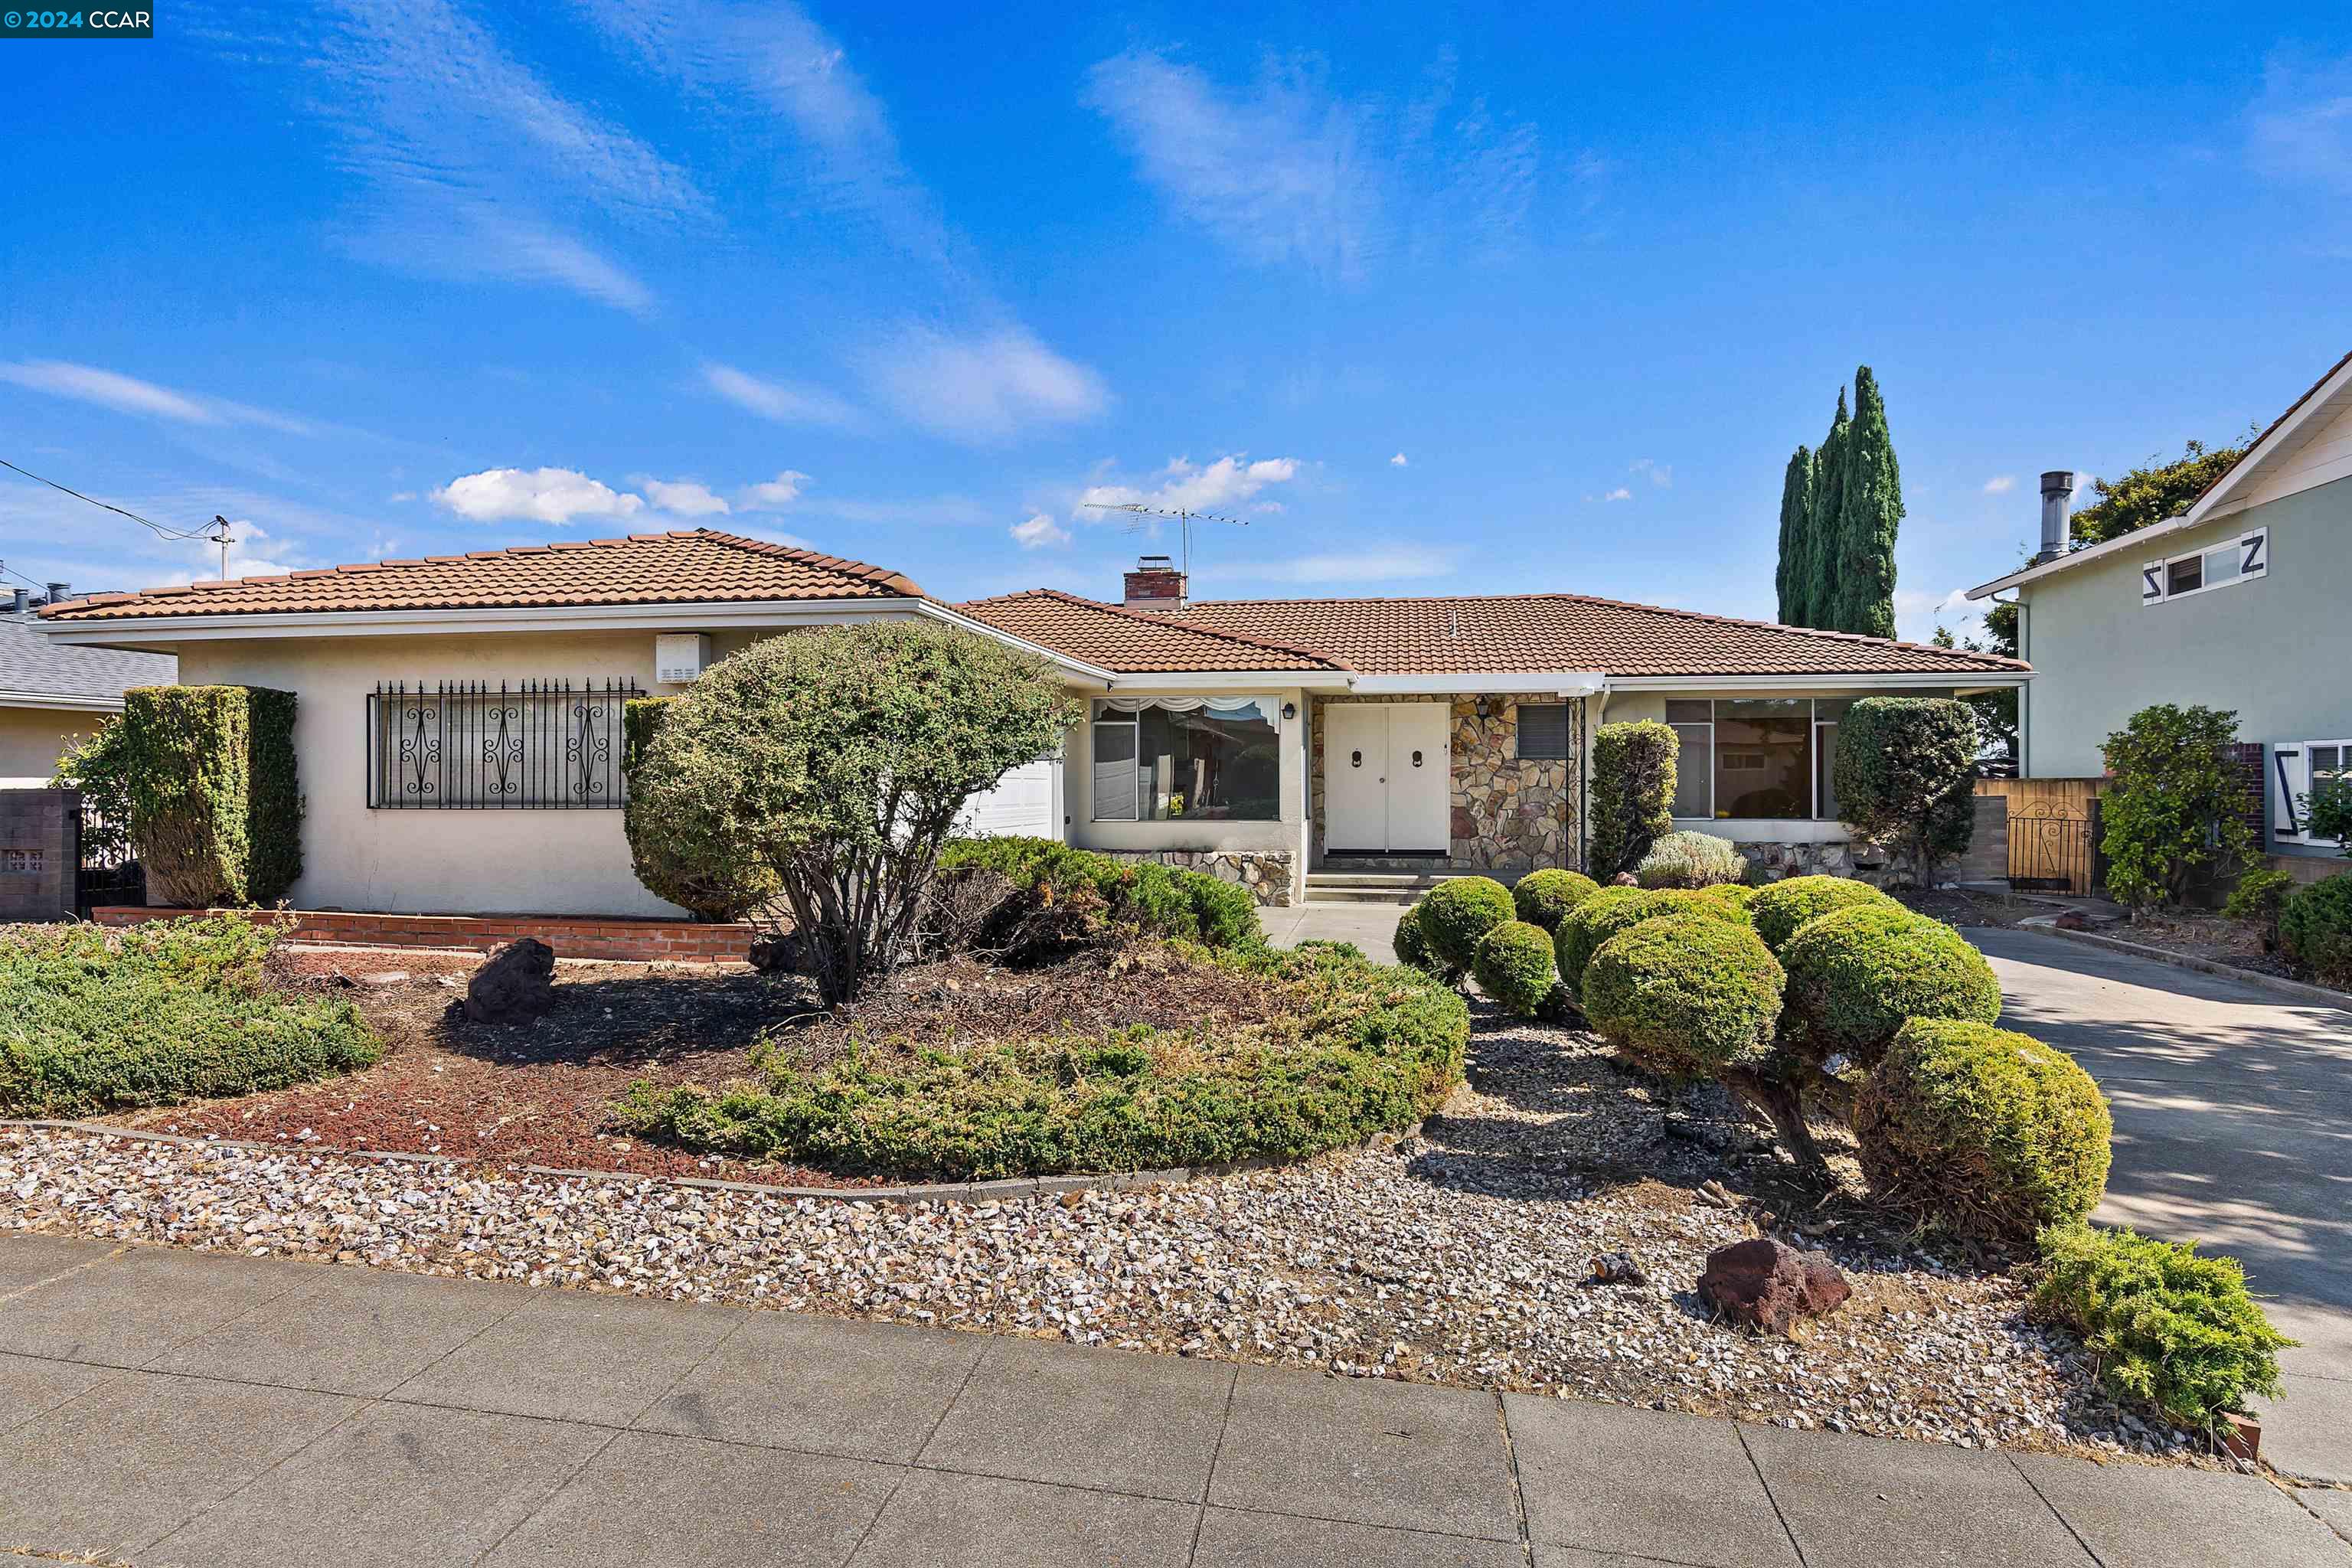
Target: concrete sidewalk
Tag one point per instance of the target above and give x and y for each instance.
(166, 1406)
(2233, 1128)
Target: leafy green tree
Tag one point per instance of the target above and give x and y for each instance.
(1906, 776)
(1859, 546)
(2153, 492)
(838, 760)
(1793, 579)
(1820, 528)
(2176, 804)
(1996, 711)
(98, 765)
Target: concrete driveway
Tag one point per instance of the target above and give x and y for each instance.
(2233, 1128)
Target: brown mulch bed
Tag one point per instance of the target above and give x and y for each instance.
(541, 1094)
(1956, 908)
(2216, 939)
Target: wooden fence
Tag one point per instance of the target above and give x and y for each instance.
(2053, 832)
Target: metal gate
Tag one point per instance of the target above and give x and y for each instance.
(2050, 846)
(108, 873)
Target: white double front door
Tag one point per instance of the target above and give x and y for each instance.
(1386, 784)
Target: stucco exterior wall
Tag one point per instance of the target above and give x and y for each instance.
(31, 739)
(2275, 648)
(439, 862)
(1179, 841)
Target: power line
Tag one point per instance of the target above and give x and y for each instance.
(161, 532)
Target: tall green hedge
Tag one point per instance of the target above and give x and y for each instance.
(1906, 776)
(215, 796)
(1632, 793)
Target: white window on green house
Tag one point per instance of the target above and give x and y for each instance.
(2302, 772)
(1756, 757)
(2243, 559)
(1192, 759)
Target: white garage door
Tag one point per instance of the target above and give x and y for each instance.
(1027, 800)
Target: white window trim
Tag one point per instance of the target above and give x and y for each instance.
(1812, 771)
(2289, 784)
(2259, 537)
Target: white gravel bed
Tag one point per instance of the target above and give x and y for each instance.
(1461, 1256)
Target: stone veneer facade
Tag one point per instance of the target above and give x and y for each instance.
(1267, 873)
(1508, 815)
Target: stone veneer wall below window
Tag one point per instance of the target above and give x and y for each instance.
(1267, 873)
(1507, 815)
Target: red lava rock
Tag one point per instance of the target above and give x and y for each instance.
(1769, 1285)
(2073, 920)
(516, 983)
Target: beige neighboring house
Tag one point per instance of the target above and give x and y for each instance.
(459, 729)
(2238, 602)
(52, 697)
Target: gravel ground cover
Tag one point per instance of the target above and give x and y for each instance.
(1460, 1256)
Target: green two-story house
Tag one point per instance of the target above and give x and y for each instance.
(2242, 602)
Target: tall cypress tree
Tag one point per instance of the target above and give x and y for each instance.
(1796, 531)
(1820, 532)
(1869, 512)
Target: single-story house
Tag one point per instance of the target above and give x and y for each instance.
(2235, 604)
(53, 696)
(458, 724)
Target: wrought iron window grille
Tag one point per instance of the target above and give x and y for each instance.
(469, 745)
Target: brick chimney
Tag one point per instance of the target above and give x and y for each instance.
(1155, 585)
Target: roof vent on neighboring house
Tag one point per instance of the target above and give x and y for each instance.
(1155, 585)
(60, 592)
(23, 601)
(2057, 491)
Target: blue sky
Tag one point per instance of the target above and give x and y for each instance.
(1441, 300)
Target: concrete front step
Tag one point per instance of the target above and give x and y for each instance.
(1370, 887)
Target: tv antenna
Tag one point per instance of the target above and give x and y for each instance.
(1183, 515)
(219, 535)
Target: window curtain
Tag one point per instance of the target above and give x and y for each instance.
(1263, 709)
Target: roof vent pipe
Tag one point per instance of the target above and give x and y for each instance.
(60, 592)
(2057, 491)
(23, 601)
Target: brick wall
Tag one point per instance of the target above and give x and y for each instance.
(685, 942)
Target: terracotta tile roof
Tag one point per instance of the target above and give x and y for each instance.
(1133, 642)
(1535, 632)
(693, 566)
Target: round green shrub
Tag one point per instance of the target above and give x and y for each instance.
(1412, 949)
(1858, 974)
(1544, 898)
(1513, 964)
(1735, 896)
(1989, 1131)
(1781, 907)
(2315, 928)
(1684, 992)
(1613, 909)
(1455, 914)
(1688, 859)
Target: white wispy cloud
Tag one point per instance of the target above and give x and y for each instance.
(1918, 613)
(981, 388)
(774, 495)
(1659, 474)
(685, 497)
(1287, 170)
(1620, 493)
(1374, 564)
(1186, 486)
(471, 167)
(2300, 128)
(534, 495)
(1398, 461)
(129, 394)
(786, 402)
(2001, 484)
(1039, 532)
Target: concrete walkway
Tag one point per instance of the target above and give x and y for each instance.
(1369, 926)
(166, 1406)
(2233, 1128)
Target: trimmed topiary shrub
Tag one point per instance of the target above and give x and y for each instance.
(1455, 914)
(1906, 771)
(1858, 974)
(2315, 928)
(216, 804)
(1513, 964)
(1053, 895)
(1687, 994)
(1779, 908)
(707, 887)
(1355, 1048)
(2168, 1327)
(164, 1012)
(1691, 860)
(1993, 1133)
(1544, 898)
(1613, 909)
(1632, 793)
(1412, 949)
(1735, 896)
